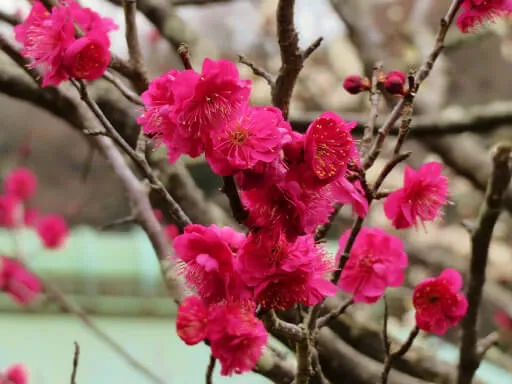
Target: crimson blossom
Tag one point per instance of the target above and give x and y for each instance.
(377, 261)
(420, 199)
(50, 39)
(183, 107)
(53, 231)
(438, 302)
(18, 282)
(297, 193)
(283, 273)
(15, 374)
(235, 334)
(477, 12)
(21, 183)
(207, 258)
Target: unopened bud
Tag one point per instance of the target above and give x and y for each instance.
(355, 84)
(394, 82)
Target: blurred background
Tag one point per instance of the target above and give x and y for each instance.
(113, 274)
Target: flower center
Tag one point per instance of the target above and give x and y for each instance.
(239, 135)
(433, 299)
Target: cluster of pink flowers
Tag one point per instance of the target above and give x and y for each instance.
(477, 12)
(289, 183)
(20, 185)
(236, 336)
(15, 374)
(67, 42)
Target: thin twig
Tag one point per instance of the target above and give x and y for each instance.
(132, 39)
(356, 227)
(210, 369)
(324, 320)
(240, 213)
(323, 230)
(480, 240)
(390, 165)
(75, 363)
(184, 53)
(125, 91)
(405, 124)
(258, 71)
(369, 127)
(398, 354)
(122, 221)
(385, 336)
(489, 341)
(312, 48)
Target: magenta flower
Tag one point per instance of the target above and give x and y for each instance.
(345, 192)
(159, 119)
(207, 99)
(10, 211)
(477, 12)
(87, 58)
(421, 198)
(376, 262)
(438, 302)
(21, 183)
(236, 336)
(15, 374)
(45, 36)
(183, 107)
(21, 284)
(328, 146)
(207, 257)
(283, 273)
(295, 210)
(49, 39)
(191, 320)
(53, 231)
(253, 137)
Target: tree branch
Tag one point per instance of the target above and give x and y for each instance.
(390, 359)
(240, 213)
(258, 71)
(369, 127)
(480, 240)
(451, 121)
(132, 40)
(292, 58)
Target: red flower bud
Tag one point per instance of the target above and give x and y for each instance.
(355, 84)
(394, 82)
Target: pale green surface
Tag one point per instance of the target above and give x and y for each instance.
(45, 344)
